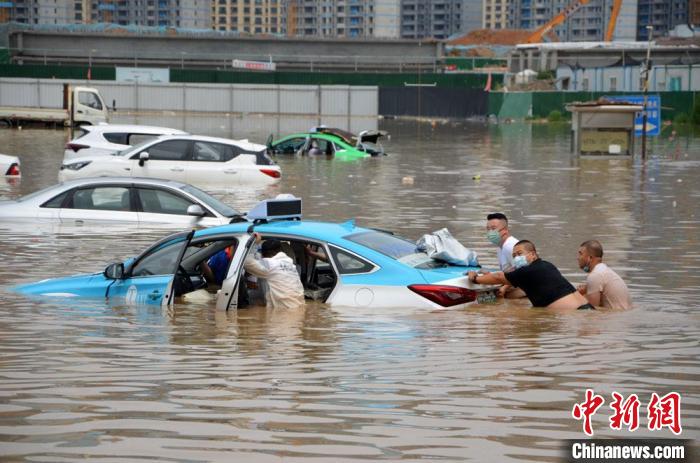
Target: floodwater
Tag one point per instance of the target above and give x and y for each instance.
(497, 383)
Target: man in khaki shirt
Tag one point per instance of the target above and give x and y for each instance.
(603, 287)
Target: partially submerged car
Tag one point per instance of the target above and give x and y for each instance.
(330, 142)
(120, 200)
(190, 159)
(9, 166)
(104, 139)
(348, 266)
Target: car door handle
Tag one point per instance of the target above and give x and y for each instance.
(177, 169)
(80, 111)
(127, 168)
(154, 295)
(230, 171)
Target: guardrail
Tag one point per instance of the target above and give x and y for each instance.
(224, 61)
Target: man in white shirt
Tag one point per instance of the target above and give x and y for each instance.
(603, 287)
(498, 234)
(284, 288)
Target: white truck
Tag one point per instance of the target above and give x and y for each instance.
(81, 106)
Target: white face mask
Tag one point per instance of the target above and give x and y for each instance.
(520, 261)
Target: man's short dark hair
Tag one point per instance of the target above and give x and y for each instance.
(271, 247)
(593, 248)
(529, 245)
(497, 215)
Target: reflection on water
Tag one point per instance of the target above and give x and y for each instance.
(491, 383)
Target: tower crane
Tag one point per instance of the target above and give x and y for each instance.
(614, 13)
(540, 32)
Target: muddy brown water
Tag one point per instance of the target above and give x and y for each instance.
(88, 381)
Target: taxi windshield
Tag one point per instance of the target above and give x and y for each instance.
(395, 247)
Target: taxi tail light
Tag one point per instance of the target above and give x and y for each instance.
(75, 147)
(444, 295)
(271, 172)
(13, 170)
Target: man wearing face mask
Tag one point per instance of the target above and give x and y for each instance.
(542, 282)
(498, 234)
(603, 286)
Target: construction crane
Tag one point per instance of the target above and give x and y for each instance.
(538, 35)
(546, 29)
(614, 13)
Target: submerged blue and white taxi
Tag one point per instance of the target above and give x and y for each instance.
(340, 264)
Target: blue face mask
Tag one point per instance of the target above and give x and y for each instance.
(586, 268)
(520, 261)
(494, 237)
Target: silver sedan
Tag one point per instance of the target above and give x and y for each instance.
(118, 199)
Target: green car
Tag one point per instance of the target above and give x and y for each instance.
(330, 142)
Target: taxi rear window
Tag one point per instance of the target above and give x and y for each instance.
(397, 248)
(389, 245)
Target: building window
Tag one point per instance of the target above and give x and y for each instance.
(613, 84)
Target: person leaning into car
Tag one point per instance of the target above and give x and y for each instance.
(542, 282)
(284, 288)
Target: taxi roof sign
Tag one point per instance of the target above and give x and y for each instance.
(282, 207)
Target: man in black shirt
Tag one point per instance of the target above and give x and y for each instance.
(542, 282)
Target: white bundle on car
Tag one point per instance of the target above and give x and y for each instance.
(441, 245)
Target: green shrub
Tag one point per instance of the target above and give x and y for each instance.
(545, 75)
(555, 116)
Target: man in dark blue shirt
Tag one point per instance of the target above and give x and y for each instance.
(216, 268)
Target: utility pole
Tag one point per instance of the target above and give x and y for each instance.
(650, 31)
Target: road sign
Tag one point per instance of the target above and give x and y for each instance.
(653, 112)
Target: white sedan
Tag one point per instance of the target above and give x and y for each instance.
(118, 199)
(9, 166)
(103, 139)
(186, 158)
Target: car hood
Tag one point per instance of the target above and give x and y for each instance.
(93, 284)
(372, 136)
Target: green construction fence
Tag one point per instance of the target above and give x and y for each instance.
(519, 105)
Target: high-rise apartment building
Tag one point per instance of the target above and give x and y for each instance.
(344, 18)
(472, 15)
(37, 11)
(249, 16)
(432, 18)
(195, 14)
(495, 13)
(662, 15)
(169, 13)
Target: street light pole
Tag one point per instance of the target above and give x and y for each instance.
(650, 31)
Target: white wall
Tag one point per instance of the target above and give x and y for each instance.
(307, 100)
(628, 78)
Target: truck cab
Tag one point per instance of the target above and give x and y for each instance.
(89, 108)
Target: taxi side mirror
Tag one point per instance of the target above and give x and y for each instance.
(143, 157)
(195, 210)
(114, 271)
